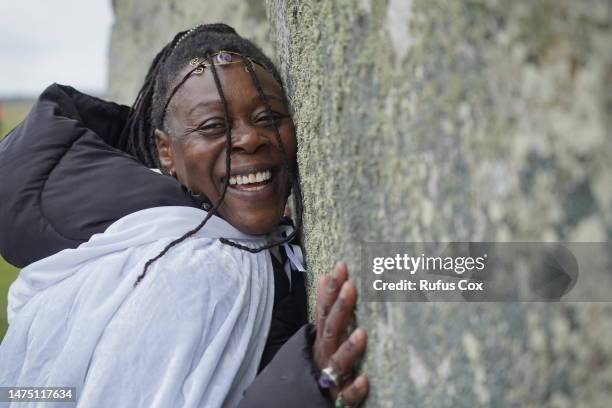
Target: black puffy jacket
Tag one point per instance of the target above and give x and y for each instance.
(62, 179)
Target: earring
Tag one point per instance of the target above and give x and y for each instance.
(203, 201)
(194, 194)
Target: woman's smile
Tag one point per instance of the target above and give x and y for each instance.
(250, 178)
(253, 182)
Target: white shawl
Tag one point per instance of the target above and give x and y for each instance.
(191, 334)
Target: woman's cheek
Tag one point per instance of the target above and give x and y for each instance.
(198, 166)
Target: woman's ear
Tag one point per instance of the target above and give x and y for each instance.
(165, 152)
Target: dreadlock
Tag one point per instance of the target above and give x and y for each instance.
(149, 111)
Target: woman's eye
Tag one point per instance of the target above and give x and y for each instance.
(211, 127)
(268, 119)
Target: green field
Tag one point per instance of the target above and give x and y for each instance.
(14, 112)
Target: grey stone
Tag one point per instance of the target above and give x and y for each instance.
(458, 121)
(433, 120)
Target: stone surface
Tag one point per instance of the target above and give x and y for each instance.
(431, 120)
(434, 120)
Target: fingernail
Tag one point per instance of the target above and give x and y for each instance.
(357, 336)
(333, 284)
(337, 267)
(345, 289)
(361, 382)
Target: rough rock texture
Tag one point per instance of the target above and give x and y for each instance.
(143, 27)
(434, 120)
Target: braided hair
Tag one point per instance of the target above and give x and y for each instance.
(149, 111)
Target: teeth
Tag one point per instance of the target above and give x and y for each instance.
(251, 178)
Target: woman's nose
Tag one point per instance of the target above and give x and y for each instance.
(248, 139)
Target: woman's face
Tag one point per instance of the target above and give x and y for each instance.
(195, 148)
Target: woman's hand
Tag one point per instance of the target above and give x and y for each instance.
(336, 298)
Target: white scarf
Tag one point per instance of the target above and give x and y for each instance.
(191, 334)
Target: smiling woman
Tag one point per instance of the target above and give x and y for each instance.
(183, 288)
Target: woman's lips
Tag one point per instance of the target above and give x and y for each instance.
(251, 181)
(258, 186)
(252, 177)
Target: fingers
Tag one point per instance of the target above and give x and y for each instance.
(349, 352)
(320, 309)
(354, 394)
(323, 302)
(327, 292)
(340, 315)
(336, 299)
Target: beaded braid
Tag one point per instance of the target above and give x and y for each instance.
(138, 134)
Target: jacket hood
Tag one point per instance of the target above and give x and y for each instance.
(63, 179)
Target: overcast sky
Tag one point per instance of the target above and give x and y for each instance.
(46, 41)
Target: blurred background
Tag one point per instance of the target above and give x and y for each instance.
(42, 42)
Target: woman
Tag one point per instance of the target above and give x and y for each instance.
(152, 308)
